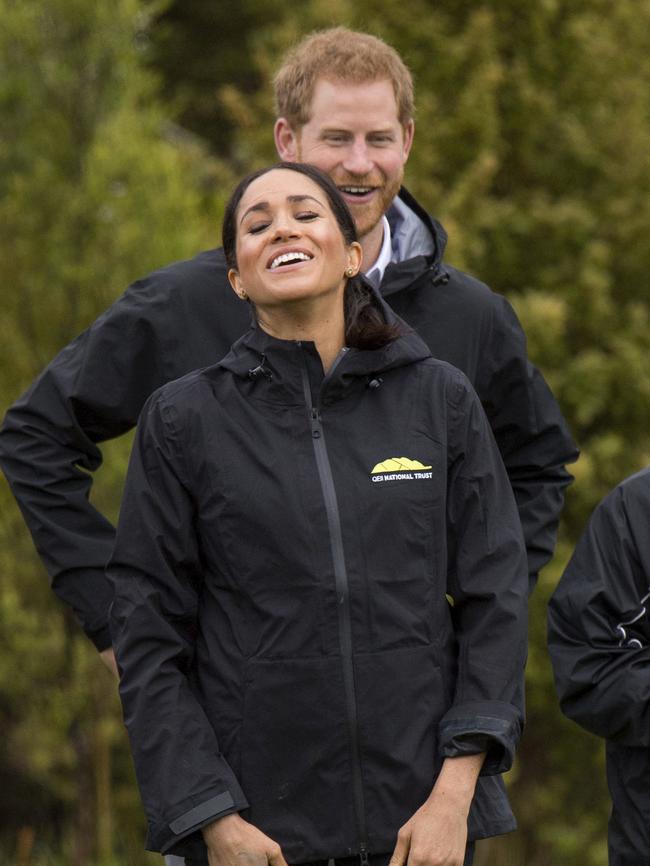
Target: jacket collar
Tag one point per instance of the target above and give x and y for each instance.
(419, 243)
(276, 364)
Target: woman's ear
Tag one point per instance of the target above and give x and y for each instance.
(235, 281)
(355, 257)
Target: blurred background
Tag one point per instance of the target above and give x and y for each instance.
(123, 126)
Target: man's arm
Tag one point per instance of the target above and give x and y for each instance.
(533, 437)
(467, 324)
(603, 679)
(174, 320)
(92, 391)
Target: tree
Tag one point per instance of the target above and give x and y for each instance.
(97, 187)
(197, 44)
(532, 147)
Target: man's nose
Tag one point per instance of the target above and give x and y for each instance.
(357, 158)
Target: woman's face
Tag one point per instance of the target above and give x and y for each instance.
(289, 244)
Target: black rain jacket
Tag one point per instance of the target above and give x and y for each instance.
(599, 641)
(284, 550)
(185, 317)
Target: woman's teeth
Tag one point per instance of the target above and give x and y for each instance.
(287, 258)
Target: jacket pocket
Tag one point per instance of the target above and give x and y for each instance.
(295, 768)
(401, 697)
(404, 566)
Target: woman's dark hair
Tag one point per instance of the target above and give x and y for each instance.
(365, 327)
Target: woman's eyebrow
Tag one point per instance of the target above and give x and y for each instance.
(260, 206)
(299, 198)
(265, 206)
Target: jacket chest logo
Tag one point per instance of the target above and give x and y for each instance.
(400, 469)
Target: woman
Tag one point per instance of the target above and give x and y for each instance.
(298, 520)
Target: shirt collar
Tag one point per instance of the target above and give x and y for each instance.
(376, 272)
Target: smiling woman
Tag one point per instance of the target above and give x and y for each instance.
(290, 667)
(291, 246)
(291, 259)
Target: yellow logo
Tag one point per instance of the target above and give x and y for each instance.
(400, 469)
(398, 464)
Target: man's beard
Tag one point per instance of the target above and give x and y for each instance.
(368, 215)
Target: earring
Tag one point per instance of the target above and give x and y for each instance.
(243, 295)
(350, 272)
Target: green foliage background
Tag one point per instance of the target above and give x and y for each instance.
(122, 128)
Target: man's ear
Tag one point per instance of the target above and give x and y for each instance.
(286, 140)
(409, 132)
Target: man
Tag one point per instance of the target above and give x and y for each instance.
(599, 641)
(345, 104)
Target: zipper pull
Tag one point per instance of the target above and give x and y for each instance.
(363, 856)
(315, 424)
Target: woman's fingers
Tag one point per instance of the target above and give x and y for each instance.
(231, 841)
(274, 855)
(401, 852)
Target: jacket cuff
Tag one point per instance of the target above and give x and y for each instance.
(101, 638)
(88, 592)
(188, 823)
(492, 727)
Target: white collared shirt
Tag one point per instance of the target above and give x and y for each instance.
(376, 272)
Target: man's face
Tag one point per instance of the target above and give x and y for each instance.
(355, 136)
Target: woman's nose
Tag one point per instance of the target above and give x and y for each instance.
(285, 228)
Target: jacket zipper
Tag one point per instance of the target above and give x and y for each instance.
(342, 594)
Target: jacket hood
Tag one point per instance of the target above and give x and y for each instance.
(418, 243)
(259, 356)
(413, 230)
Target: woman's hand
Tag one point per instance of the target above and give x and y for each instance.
(436, 835)
(108, 657)
(232, 841)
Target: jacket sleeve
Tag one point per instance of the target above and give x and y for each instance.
(604, 686)
(184, 780)
(533, 437)
(92, 391)
(487, 580)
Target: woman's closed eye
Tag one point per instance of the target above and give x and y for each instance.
(303, 216)
(258, 227)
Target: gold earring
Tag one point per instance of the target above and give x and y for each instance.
(350, 272)
(243, 295)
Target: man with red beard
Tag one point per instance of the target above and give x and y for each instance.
(363, 151)
(345, 104)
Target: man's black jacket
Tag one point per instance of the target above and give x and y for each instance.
(599, 641)
(286, 647)
(186, 316)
